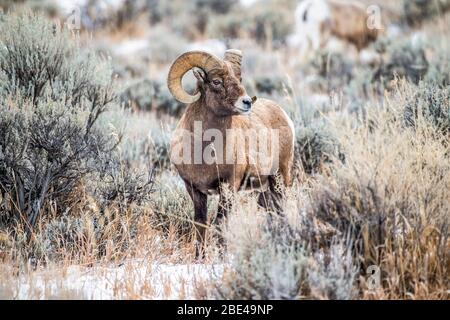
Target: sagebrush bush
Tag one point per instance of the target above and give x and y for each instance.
(269, 261)
(439, 70)
(391, 200)
(416, 11)
(403, 60)
(150, 150)
(39, 61)
(139, 95)
(45, 150)
(218, 6)
(47, 7)
(333, 70)
(64, 237)
(52, 94)
(276, 258)
(386, 206)
(159, 149)
(268, 22)
(269, 84)
(149, 94)
(172, 206)
(432, 104)
(166, 104)
(316, 146)
(122, 186)
(332, 273)
(230, 26)
(272, 24)
(203, 12)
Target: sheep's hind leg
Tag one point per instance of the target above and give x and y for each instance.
(226, 199)
(277, 190)
(273, 198)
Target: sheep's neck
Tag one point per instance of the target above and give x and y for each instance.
(199, 112)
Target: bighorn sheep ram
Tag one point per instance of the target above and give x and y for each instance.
(317, 20)
(256, 136)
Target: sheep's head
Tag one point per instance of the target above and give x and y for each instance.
(219, 82)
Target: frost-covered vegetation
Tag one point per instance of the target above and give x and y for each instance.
(86, 182)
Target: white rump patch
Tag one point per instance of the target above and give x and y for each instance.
(309, 16)
(291, 125)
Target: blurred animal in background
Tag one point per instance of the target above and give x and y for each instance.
(317, 21)
(220, 105)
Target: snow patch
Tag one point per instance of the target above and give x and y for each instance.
(132, 280)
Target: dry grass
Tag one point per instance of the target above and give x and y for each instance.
(135, 254)
(392, 196)
(387, 205)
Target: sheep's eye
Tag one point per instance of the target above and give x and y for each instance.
(216, 82)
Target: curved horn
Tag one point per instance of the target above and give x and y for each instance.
(183, 64)
(234, 56)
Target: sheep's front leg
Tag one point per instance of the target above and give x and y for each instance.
(225, 203)
(200, 217)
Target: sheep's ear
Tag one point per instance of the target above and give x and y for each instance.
(200, 75)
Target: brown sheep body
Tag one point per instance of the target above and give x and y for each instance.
(221, 106)
(349, 22)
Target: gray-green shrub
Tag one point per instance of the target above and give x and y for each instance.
(51, 96)
(150, 94)
(332, 275)
(269, 84)
(431, 103)
(333, 70)
(417, 11)
(279, 259)
(270, 265)
(401, 59)
(315, 146)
